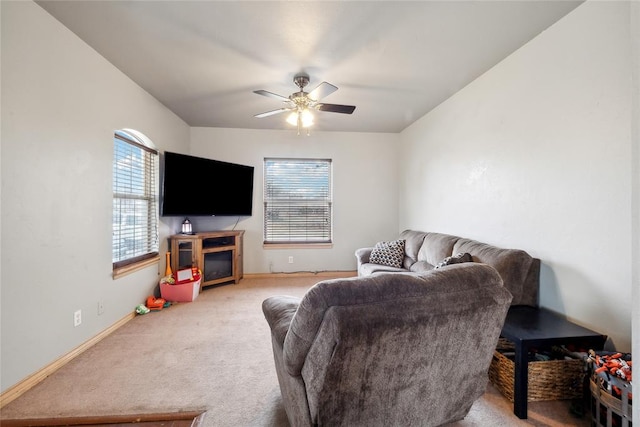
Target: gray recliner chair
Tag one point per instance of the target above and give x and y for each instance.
(389, 349)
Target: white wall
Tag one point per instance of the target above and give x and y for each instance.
(364, 184)
(535, 154)
(61, 103)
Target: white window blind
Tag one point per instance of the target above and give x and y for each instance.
(297, 201)
(135, 200)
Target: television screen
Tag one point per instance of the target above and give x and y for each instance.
(195, 186)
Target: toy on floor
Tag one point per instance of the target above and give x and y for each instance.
(155, 304)
(615, 364)
(142, 309)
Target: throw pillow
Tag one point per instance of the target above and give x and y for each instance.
(455, 259)
(388, 253)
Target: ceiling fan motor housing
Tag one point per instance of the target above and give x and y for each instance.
(301, 80)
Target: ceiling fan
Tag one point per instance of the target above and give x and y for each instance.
(301, 103)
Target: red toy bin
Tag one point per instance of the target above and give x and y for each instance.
(185, 292)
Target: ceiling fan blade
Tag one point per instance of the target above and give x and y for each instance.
(322, 90)
(271, 113)
(336, 108)
(271, 95)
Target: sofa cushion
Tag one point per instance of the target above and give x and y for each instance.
(388, 253)
(436, 247)
(371, 268)
(413, 242)
(458, 258)
(420, 267)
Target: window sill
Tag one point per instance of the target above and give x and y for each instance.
(132, 268)
(297, 245)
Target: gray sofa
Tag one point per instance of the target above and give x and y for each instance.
(388, 349)
(424, 251)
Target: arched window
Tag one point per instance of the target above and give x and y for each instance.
(135, 201)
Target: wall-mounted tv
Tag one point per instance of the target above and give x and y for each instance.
(195, 186)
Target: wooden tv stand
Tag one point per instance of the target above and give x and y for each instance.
(218, 254)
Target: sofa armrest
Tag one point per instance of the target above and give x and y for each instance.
(362, 256)
(279, 310)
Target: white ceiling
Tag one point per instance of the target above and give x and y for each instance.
(394, 60)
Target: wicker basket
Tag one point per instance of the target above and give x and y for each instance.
(548, 380)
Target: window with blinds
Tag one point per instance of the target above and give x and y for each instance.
(297, 201)
(135, 200)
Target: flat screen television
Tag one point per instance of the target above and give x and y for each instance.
(195, 186)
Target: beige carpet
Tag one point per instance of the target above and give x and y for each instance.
(212, 354)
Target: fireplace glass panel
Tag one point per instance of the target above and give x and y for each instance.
(218, 265)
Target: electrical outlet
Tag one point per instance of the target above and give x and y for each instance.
(290, 260)
(77, 318)
(100, 307)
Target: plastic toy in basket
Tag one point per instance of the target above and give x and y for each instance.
(187, 275)
(168, 279)
(610, 385)
(612, 364)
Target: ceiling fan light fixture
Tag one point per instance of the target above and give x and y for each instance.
(306, 117)
(293, 118)
(302, 118)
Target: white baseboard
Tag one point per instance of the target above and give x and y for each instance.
(323, 274)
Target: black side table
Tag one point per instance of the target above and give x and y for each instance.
(530, 327)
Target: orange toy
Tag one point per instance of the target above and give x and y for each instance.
(154, 303)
